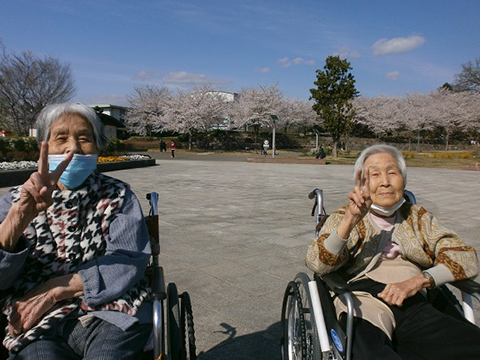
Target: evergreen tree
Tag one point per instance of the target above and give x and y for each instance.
(333, 98)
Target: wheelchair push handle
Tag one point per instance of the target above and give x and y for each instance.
(153, 200)
(314, 193)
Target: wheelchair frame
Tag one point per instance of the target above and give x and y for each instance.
(309, 327)
(180, 333)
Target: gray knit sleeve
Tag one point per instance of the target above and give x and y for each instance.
(126, 258)
(11, 264)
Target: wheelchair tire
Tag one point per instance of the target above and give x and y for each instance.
(188, 331)
(299, 339)
(292, 339)
(174, 338)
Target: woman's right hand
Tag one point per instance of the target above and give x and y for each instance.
(359, 200)
(359, 203)
(36, 195)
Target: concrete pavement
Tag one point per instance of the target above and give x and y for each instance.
(234, 233)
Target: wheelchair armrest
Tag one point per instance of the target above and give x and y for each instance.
(336, 283)
(468, 285)
(158, 284)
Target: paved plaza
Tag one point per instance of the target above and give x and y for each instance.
(234, 233)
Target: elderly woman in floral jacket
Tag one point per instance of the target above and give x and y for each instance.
(391, 251)
(73, 251)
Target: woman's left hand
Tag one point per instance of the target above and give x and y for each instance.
(29, 309)
(397, 293)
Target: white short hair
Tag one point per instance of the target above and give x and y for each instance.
(52, 113)
(382, 149)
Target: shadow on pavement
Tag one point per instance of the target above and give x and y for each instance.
(261, 345)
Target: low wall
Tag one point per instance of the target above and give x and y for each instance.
(287, 160)
(17, 177)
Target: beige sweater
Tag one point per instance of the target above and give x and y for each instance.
(423, 242)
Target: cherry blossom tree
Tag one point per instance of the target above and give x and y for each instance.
(451, 111)
(255, 107)
(297, 112)
(149, 106)
(380, 114)
(419, 114)
(473, 117)
(199, 109)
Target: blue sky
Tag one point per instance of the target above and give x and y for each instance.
(112, 46)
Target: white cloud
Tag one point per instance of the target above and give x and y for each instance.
(298, 61)
(286, 62)
(397, 45)
(183, 77)
(394, 75)
(345, 53)
(262, 70)
(146, 75)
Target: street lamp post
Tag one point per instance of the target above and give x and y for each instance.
(274, 120)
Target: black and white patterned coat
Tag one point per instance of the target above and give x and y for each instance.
(96, 231)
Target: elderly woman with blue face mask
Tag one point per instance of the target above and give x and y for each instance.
(391, 251)
(73, 251)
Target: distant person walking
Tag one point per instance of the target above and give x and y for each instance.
(173, 147)
(266, 146)
(321, 153)
(163, 146)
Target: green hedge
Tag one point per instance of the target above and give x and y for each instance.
(23, 144)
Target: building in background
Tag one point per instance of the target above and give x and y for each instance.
(112, 118)
(227, 97)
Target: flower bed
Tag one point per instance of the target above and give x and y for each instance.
(15, 173)
(18, 165)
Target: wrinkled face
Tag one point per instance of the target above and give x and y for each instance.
(71, 132)
(386, 180)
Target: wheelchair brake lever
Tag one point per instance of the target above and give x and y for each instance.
(314, 207)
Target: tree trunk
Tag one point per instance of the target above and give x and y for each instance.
(335, 149)
(190, 136)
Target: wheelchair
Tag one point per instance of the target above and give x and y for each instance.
(178, 329)
(173, 334)
(310, 329)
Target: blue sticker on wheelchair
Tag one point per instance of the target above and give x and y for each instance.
(336, 340)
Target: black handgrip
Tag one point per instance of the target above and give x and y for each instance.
(312, 194)
(469, 286)
(158, 283)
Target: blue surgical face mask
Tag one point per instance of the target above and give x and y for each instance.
(77, 171)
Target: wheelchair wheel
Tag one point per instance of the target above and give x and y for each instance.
(188, 331)
(299, 339)
(174, 338)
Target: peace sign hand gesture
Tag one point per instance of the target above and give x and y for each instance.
(359, 203)
(35, 197)
(359, 200)
(37, 191)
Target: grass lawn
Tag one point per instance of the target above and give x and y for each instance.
(464, 160)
